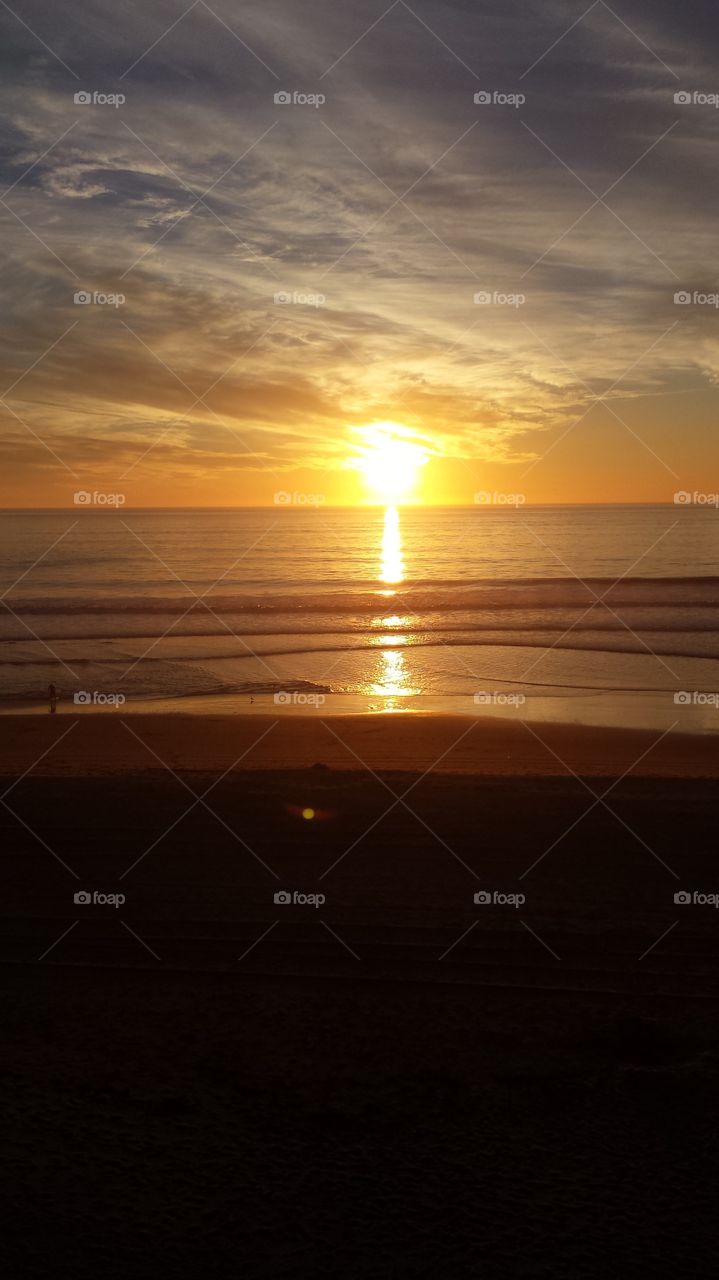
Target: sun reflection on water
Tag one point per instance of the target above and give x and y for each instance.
(392, 567)
(392, 678)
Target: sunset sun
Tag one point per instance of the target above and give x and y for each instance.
(390, 460)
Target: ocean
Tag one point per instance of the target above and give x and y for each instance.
(598, 612)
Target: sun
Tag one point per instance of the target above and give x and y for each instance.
(390, 460)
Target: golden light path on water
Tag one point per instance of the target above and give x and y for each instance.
(392, 565)
(392, 678)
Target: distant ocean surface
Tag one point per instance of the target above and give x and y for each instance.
(394, 606)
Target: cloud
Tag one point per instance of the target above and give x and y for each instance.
(397, 201)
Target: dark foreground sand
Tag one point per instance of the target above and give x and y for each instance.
(194, 1125)
(396, 1083)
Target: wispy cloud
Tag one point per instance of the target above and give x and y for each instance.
(200, 198)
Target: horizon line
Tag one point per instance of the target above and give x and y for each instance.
(330, 506)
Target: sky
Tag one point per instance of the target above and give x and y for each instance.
(269, 279)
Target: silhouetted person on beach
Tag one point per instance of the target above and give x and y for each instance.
(52, 695)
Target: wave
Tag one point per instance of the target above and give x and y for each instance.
(410, 637)
(523, 640)
(417, 597)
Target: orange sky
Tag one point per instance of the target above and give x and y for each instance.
(211, 288)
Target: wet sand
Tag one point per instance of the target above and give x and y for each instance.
(90, 744)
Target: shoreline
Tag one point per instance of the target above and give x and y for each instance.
(621, 710)
(104, 745)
